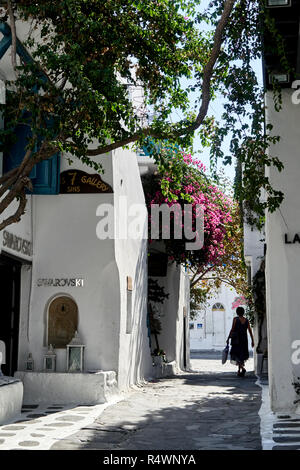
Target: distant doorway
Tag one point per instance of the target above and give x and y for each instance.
(10, 277)
(218, 320)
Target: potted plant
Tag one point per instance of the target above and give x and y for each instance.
(159, 356)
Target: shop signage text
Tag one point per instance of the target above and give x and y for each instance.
(79, 182)
(288, 240)
(60, 282)
(17, 244)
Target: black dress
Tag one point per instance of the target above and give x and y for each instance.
(239, 352)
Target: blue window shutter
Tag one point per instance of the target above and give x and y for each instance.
(45, 175)
(14, 155)
(46, 180)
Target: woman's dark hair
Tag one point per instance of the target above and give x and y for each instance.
(240, 311)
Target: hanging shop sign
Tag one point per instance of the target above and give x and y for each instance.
(17, 244)
(291, 240)
(79, 182)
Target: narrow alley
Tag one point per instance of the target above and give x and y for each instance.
(207, 408)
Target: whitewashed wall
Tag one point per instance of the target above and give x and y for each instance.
(66, 245)
(283, 260)
(134, 356)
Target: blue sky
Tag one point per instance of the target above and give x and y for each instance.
(216, 109)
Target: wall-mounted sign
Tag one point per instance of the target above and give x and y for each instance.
(17, 244)
(288, 240)
(60, 282)
(129, 283)
(79, 182)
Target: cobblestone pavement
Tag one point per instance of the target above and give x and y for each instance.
(207, 408)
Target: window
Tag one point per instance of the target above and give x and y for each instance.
(218, 306)
(45, 175)
(192, 326)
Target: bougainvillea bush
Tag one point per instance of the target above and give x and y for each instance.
(181, 179)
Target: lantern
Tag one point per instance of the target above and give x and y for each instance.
(29, 364)
(75, 352)
(50, 360)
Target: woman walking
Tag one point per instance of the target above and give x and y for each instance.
(239, 352)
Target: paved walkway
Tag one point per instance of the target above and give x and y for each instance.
(211, 409)
(39, 427)
(207, 408)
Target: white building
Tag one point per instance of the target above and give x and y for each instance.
(59, 277)
(210, 329)
(282, 227)
(283, 259)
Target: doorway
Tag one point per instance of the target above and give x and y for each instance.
(10, 277)
(218, 320)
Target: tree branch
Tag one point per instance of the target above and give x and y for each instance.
(63, 83)
(13, 36)
(206, 95)
(17, 215)
(221, 280)
(201, 276)
(12, 176)
(133, 138)
(21, 179)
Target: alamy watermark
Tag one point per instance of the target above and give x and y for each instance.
(166, 222)
(296, 354)
(296, 94)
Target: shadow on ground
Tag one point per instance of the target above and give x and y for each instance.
(186, 412)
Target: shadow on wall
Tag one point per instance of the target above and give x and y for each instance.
(140, 366)
(225, 417)
(184, 353)
(169, 312)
